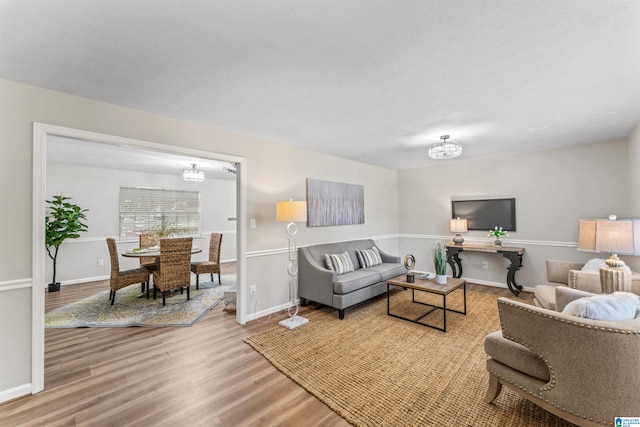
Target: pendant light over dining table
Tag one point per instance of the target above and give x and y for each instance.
(193, 174)
(445, 149)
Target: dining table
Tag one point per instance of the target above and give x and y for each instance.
(152, 252)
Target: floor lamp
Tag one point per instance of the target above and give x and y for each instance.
(292, 212)
(615, 237)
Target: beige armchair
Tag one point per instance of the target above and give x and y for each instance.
(569, 273)
(582, 370)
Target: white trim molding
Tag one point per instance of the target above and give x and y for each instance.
(15, 392)
(489, 241)
(10, 285)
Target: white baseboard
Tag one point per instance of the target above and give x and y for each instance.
(270, 310)
(15, 392)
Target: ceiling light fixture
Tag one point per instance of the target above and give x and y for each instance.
(445, 149)
(193, 174)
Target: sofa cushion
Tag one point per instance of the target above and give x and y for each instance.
(388, 270)
(354, 280)
(515, 356)
(368, 257)
(545, 296)
(340, 263)
(612, 307)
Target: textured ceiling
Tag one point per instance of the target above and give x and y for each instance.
(373, 81)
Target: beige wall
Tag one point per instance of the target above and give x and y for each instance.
(553, 190)
(274, 172)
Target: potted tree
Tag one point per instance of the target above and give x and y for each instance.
(63, 221)
(440, 263)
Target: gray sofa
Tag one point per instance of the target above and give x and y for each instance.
(319, 284)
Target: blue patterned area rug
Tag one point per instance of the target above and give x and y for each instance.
(129, 310)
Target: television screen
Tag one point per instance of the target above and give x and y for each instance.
(486, 214)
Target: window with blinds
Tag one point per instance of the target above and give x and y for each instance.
(153, 209)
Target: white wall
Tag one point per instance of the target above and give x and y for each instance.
(634, 172)
(97, 190)
(274, 172)
(553, 190)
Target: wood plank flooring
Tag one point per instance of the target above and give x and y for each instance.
(203, 375)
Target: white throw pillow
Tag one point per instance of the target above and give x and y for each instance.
(594, 265)
(340, 263)
(615, 306)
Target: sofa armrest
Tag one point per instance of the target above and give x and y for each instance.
(387, 257)
(564, 295)
(315, 282)
(588, 378)
(585, 281)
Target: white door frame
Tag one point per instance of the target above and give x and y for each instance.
(40, 133)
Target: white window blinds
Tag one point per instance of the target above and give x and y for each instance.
(153, 209)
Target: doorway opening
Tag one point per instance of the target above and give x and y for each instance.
(41, 134)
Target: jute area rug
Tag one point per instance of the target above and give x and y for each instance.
(376, 370)
(96, 311)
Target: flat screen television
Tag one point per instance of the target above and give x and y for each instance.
(486, 214)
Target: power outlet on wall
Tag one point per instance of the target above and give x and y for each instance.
(485, 265)
(252, 290)
(100, 262)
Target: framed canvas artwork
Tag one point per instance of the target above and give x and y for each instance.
(334, 203)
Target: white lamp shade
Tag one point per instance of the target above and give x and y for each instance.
(459, 225)
(612, 236)
(291, 211)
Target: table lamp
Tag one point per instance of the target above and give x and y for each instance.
(616, 237)
(458, 226)
(292, 212)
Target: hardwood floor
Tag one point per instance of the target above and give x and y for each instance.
(203, 375)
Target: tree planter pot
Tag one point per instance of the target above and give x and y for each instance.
(54, 287)
(441, 279)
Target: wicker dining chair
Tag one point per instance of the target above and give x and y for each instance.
(148, 240)
(173, 271)
(212, 265)
(121, 279)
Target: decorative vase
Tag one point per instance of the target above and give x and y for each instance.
(498, 242)
(441, 279)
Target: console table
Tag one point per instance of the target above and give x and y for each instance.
(512, 254)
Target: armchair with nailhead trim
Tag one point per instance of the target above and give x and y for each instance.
(584, 371)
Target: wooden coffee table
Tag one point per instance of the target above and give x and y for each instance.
(429, 286)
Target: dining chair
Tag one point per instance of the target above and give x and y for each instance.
(148, 240)
(121, 279)
(212, 265)
(173, 270)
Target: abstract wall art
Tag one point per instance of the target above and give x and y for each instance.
(334, 203)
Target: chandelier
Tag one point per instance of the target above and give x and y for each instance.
(445, 149)
(193, 174)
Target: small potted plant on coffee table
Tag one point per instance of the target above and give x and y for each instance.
(440, 263)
